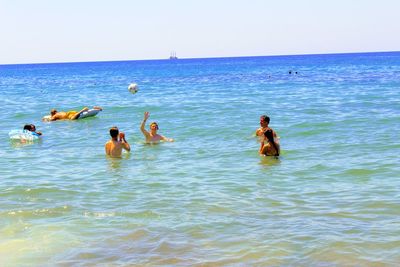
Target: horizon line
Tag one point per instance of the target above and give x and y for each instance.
(190, 58)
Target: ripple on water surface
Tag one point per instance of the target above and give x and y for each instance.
(208, 198)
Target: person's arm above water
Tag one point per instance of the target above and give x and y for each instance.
(55, 117)
(145, 117)
(167, 139)
(262, 145)
(124, 143)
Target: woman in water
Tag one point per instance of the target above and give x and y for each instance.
(269, 147)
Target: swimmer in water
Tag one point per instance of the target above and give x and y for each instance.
(69, 115)
(269, 147)
(152, 136)
(32, 128)
(264, 125)
(117, 142)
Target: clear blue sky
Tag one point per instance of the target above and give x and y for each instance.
(95, 30)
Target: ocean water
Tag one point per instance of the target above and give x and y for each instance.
(208, 199)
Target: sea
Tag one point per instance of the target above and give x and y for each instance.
(332, 198)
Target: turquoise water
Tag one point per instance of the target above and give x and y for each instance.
(208, 199)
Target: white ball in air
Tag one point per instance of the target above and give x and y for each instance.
(133, 88)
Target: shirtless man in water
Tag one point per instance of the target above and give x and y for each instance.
(114, 146)
(264, 122)
(152, 136)
(69, 115)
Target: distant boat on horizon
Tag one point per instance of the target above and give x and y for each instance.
(173, 55)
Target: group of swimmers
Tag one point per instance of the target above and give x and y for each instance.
(117, 143)
(269, 141)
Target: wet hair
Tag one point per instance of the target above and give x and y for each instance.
(53, 111)
(270, 136)
(114, 132)
(155, 124)
(265, 118)
(28, 127)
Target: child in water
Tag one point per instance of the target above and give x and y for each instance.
(32, 128)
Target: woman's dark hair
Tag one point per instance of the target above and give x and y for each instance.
(270, 136)
(27, 127)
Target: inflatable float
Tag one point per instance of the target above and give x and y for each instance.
(85, 114)
(89, 113)
(23, 135)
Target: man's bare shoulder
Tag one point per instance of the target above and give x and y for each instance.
(259, 131)
(110, 144)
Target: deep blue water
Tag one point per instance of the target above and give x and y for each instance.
(208, 198)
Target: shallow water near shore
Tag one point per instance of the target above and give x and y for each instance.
(207, 199)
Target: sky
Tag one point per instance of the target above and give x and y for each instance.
(39, 31)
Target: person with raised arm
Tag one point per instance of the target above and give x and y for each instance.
(152, 136)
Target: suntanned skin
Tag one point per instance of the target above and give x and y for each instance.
(268, 149)
(264, 126)
(61, 115)
(114, 146)
(152, 136)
